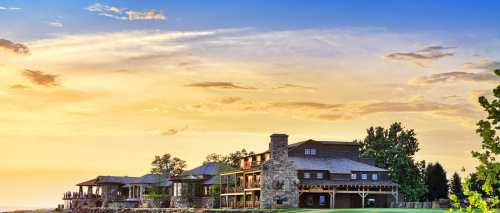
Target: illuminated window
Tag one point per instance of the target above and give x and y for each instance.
(354, 176)
(310, 151)
(319, 175)
(307, 175)
(364, 176)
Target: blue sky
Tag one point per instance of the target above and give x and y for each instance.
(400, 16)
(134, 78)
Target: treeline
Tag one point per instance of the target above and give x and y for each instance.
(394, 149)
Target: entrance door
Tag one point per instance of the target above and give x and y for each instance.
(314, 200)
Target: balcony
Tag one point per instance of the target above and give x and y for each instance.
(232, 189)
(252, 164)
(78, 195)
(241, 204)
(252, 185)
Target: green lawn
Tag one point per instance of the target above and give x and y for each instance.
(369, 210)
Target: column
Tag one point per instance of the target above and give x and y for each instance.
(141, 191)
(129, 192)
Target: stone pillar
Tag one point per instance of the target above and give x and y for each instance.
(279, 181)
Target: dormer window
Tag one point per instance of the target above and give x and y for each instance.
(309, 151)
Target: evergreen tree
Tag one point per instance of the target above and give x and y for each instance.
(456, 186)
(436, 182)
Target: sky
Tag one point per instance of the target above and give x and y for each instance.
(93, 88)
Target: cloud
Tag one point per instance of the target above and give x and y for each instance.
(421, 57)
(294, 86)
(304, 105)
(219, 85)
(18, 86)
(9, 8)
(455, 76)
(40, 78)
(148, 15)
(124, 13)
(57, 24)
(7, 46)
(483, 65)
(228, 100)
(173, 131)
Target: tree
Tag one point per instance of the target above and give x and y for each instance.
(167, 165)
(456, 186)
(394, 149)
(231, 159)
(436, 182)
(488, 171)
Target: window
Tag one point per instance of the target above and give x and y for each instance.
(374, 176)
(307, 175)
(364, 176)
(322, 200)
(177, 189)
(354, 176)
(319, 175)
(309, 151)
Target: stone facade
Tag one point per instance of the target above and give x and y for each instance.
(279, 177)
(198, 202)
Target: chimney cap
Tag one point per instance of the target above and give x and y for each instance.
(278, 135)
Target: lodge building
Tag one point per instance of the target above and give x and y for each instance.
(307, 174)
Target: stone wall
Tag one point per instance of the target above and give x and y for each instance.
(198, 202)
(279, 177)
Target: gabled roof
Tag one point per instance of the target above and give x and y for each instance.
(210, 181)
(115, 179)
(152, 179)
(324, 142)
(92, 182)
(333, 165)
(211, 168)
(295, 145)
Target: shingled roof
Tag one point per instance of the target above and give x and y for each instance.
(115, 179)
(334, 165)
(211, 168)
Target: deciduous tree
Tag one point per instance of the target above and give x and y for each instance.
(167, 165)
(394, 149)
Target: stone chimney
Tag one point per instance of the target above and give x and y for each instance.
(279, 177)
(278, 147)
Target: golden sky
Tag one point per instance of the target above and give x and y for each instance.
(85, 104)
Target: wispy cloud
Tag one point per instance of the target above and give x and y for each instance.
(57, 24)
(124, 13)
(422, 56)
(10, 47)
(219, 85)
(18, 86)
(40, 78)
(484, 65)
(9, 8)
(173, 131)
(454, 77)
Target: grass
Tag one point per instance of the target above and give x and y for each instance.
(368, 210)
